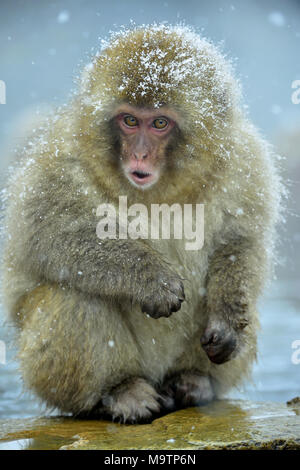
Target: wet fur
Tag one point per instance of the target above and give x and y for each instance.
(71, 296)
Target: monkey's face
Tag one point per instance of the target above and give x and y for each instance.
(144, 135)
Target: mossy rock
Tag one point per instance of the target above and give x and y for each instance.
(224, 424)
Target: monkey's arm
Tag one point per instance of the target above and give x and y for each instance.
(234, 281)
(110, 268)
(54, 235)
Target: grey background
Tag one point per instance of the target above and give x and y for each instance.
(43, 45)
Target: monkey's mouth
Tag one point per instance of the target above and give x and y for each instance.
(140, 174)
(141, 177)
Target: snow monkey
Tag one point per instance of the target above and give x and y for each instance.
(132, 327)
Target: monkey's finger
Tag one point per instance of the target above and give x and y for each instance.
(177, 289)
(176, 306)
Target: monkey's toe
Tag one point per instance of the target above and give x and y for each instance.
(186, 389)
(218, 344)
(133, 401)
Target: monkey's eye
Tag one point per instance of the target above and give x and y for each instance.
(160, 123)
(130, 121)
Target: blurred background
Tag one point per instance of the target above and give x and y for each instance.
(43, 46)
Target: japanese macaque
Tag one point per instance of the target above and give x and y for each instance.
(131, 327)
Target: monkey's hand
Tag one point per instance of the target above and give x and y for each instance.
(223, 332)
(163, 295)
(219, 341)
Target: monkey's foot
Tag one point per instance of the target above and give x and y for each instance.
(132, 401)
(186, 389)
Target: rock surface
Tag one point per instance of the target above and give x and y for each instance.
(224, 424)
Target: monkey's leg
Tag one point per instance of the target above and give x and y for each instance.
(75, 350)
(187, 388)
(132, 401)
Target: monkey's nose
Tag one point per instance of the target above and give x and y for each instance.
(140, 155)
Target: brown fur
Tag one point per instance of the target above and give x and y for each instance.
(78, 301)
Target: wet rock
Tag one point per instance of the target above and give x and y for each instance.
(294, 404)
(294, 401)
(224, 424)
